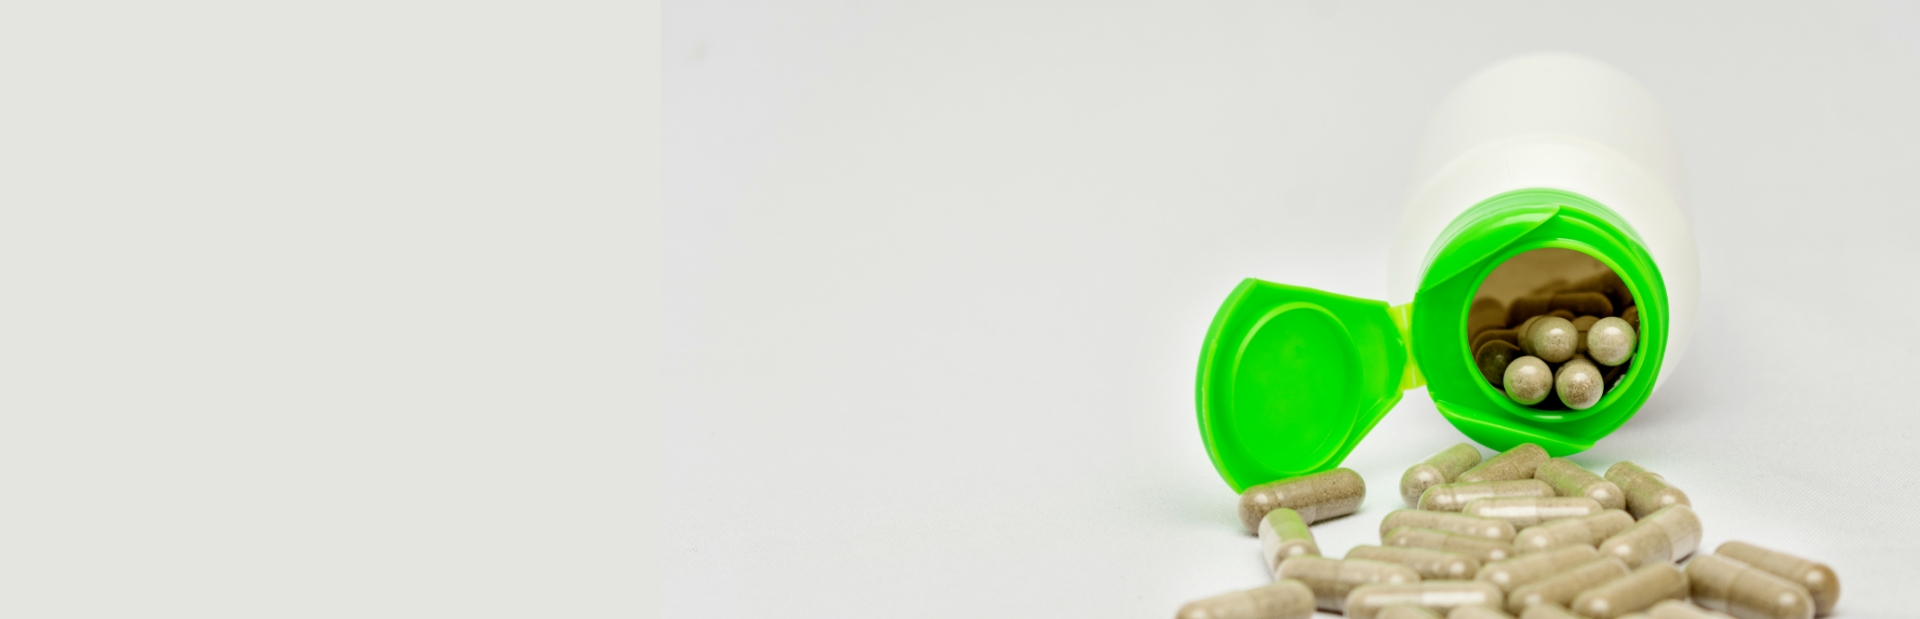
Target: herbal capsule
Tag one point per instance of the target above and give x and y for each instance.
(1579, 303)
(1646, 491)
(1637, 590)
(1585, 322)
(1451, 522)
(1283, 535)
(1517, 463)
(1562, 314)
(1332, 579)
(1632, 316)
(1527, 380)
(1569, 479)
(1548, 611)
(1512, 573)
(1479, 548)
(1286, 599)
(1439, 595)
(1745, 591)
(1527, 307)
(1526, 511)
(1561, 588)
(1478, 612)
(1493, 359)
(1676, 609)
(1550, 339)
(1611, 341)
(1429, 563)
(1437, 469)
(1452, 497)
(1819, 579)
(1579, 384)
(1586, 531)
(1666, 535)
(1317, 497)
(1510, 336)
(1406, 611)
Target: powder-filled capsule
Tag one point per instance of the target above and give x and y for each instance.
(1548, 611)
(1332, 579)
(1646, 491)
(1586, 531)
(1569, 479)
(1455, 496)
(1560, 589)
(1579, 384)
(1284, 535)
(1585, 322)
(1663, 536)
(1526, 511)
(1439, 468)
(1589, 303)
(1452, 522)
(1479, 548)
(1528, 307)
(1819, 579)
(1477, 611)
(1286, 599)
(1407, 611)
(1550, 339)
(1439, 595)
(1493, 359)
(1638, 590)
(1429, 563)
(1744, 591)
(1527, 380)
(1513, 573)
(1317, 497)
(1562, 314)
(1611, 341)
(1676, 609)
(1518, 463)
(1510, 336)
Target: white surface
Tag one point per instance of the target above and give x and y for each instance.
(937, 277)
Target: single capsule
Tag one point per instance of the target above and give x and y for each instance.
(1332, 579)
(1283, 535)
(1429, 563)
(1579, 384)
(1585, 322)
(1528, 307)
(1493, 359)
(1666, 535)
(1528, 380)
(1819, 579)
(1611, 341)
(1745, 591)
(1560, 589)
(1513, 573)
(1439, 595)
(1478, 612)
(1676, 609)
(1286, 599)
(1526, 511)
(1517, 463)
(1479, 548)
(1510, 336)
(1407, 611)
(1548, 611)
(1569, 479)
(1440, 468)
(1551, 339)
(1578, 303)
(1455, 496)
(1632, 316)
(1562, 314)
(1452, 522)
(1486, 313)
(1586, 531)
(1638, 590)
(1646, 491)
(1320, 496)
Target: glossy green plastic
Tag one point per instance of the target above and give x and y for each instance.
(1291, 379)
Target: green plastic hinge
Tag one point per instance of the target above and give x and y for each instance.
(1403, 320)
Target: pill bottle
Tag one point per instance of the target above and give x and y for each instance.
(1535, 155)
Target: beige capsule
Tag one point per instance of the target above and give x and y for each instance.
(1528, 307)
(1480, 548)
(1586, 531)
(1560, 589)
(1584, 322)
(1439, 468)
(1548, 611)
(1332, 579)
(1439, 595)
(1638, 590)
(1429, 563)
(1579, 384)
(1611, 341)
(1510, 336)
(1513, 573)
(1676, 609)
(1285, 599)
(1551, 338)
(1526, 511)
(1819, 579)
(1451, 522)
(1455, 496)
(1320, 496)
(1493, 358)
(1666, 535)
(1646, 491)
(1745, 591)
(1528, 381)
(1566, 315)
(1477, 611)
(1569, 479)
(1407, 611)
(1582, 303)
(1517, 463)
(1632, 316)
(1284, 535)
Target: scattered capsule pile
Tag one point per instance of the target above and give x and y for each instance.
(1520, 535)
(1560, 348)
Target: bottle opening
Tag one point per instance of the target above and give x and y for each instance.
(1553, 329)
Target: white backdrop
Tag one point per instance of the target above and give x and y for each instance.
(936, 278)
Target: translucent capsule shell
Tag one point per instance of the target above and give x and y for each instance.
(1407, 611)
(1439, 468)
(1477, 611)
(1561, 588)
(1819, 579)
(1663, 536)
(1439, 595)
(1452, 522)
(1548, 611)
(1638, 590)
(1524, 512)
(1586, 531)
(1569, 479)
(1745, 591)
(1455, 496)
(1284, 535)
(1320, 496)
(1517, 463)
(1512, 573)
(1285, 599)
(1479, 548)
(1646, 491)
(1429, 563)
(1332, 579)
(1676, 609)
